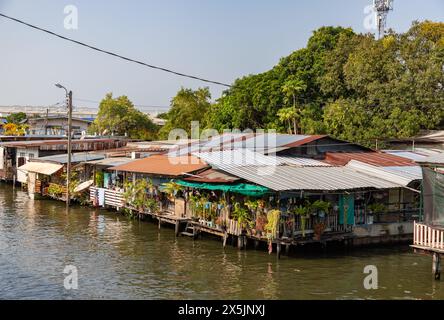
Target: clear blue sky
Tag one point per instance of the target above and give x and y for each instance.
(220, 40)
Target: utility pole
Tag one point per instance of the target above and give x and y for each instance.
(69, 148)
(68, 166)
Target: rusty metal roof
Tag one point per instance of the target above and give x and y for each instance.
(162, 165)
(378, 159)
(39, 143)
(212, 176)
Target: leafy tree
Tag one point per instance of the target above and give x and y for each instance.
(187, 106)
(348, 85)
(16, 118)
(118, 116)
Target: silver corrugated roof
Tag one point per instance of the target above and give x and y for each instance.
(435, 159)
(245, 157)
(401, 175)
(75, 157)
(286, 178)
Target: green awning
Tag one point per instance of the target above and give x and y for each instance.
(242, 188)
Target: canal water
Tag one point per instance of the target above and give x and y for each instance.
(119, 258)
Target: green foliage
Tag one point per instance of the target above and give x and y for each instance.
(377, 208)
(100, 179)
(137, 195)
(187, 106)
(171, 188)
(16, 118)
(348, 85)
(55, 190)
(241, 214)
(118, 116)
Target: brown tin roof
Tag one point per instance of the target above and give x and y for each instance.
(162, 165)
(374, 158)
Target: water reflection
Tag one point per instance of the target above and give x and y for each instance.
(118, 258)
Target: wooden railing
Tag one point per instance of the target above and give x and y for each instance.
(427, 236)
(112, 198)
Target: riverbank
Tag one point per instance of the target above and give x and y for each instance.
(121, 258)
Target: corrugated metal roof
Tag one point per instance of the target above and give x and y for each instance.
(435, 159)
(42, 168)
(212, 176)
(259, 142)
(245, 157)
(407, 154)
(305, 140)
(38, 143)
(286, 178)
(303, 162)
(110, 162)
(75, 157)
(399, 175)
(374, 158)
(163, 165)
(241, 157)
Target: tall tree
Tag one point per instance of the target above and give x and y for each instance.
(118, 116)
(187, 106)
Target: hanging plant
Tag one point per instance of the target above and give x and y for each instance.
(303, 212)
(320, 206)
(241, 215)
(252, 205)
(171, 189)
(273, 218)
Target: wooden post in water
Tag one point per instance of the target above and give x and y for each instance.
(177, 228)
(225, 239)
(278, 249)
(287, 249)
(160, 223)
(436, 267)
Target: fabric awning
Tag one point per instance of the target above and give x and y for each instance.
(41, 167)
(241, 188)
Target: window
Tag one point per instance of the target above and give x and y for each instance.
(22, 154)
(31, 155)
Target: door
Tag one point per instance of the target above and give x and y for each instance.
(347, 209)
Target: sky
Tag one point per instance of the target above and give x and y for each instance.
(219, 40)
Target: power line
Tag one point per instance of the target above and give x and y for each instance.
(112, 53)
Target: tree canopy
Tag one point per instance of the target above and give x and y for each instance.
(348, 85)
(16, 118)
(187, 106)
(118, 116)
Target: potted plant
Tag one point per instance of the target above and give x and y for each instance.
(303, 212)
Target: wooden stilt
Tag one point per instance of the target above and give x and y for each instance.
(256, 244)
(287, 249)
(225, 239)
(278, 249)
(160, 223)
(177, 228)
(436, 267)
(239, 242)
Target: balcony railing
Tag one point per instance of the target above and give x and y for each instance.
(428, 237)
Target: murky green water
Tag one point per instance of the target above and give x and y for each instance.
(122, 259)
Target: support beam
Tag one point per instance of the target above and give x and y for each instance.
(177, 228)
(436, 267)
(278, 249)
